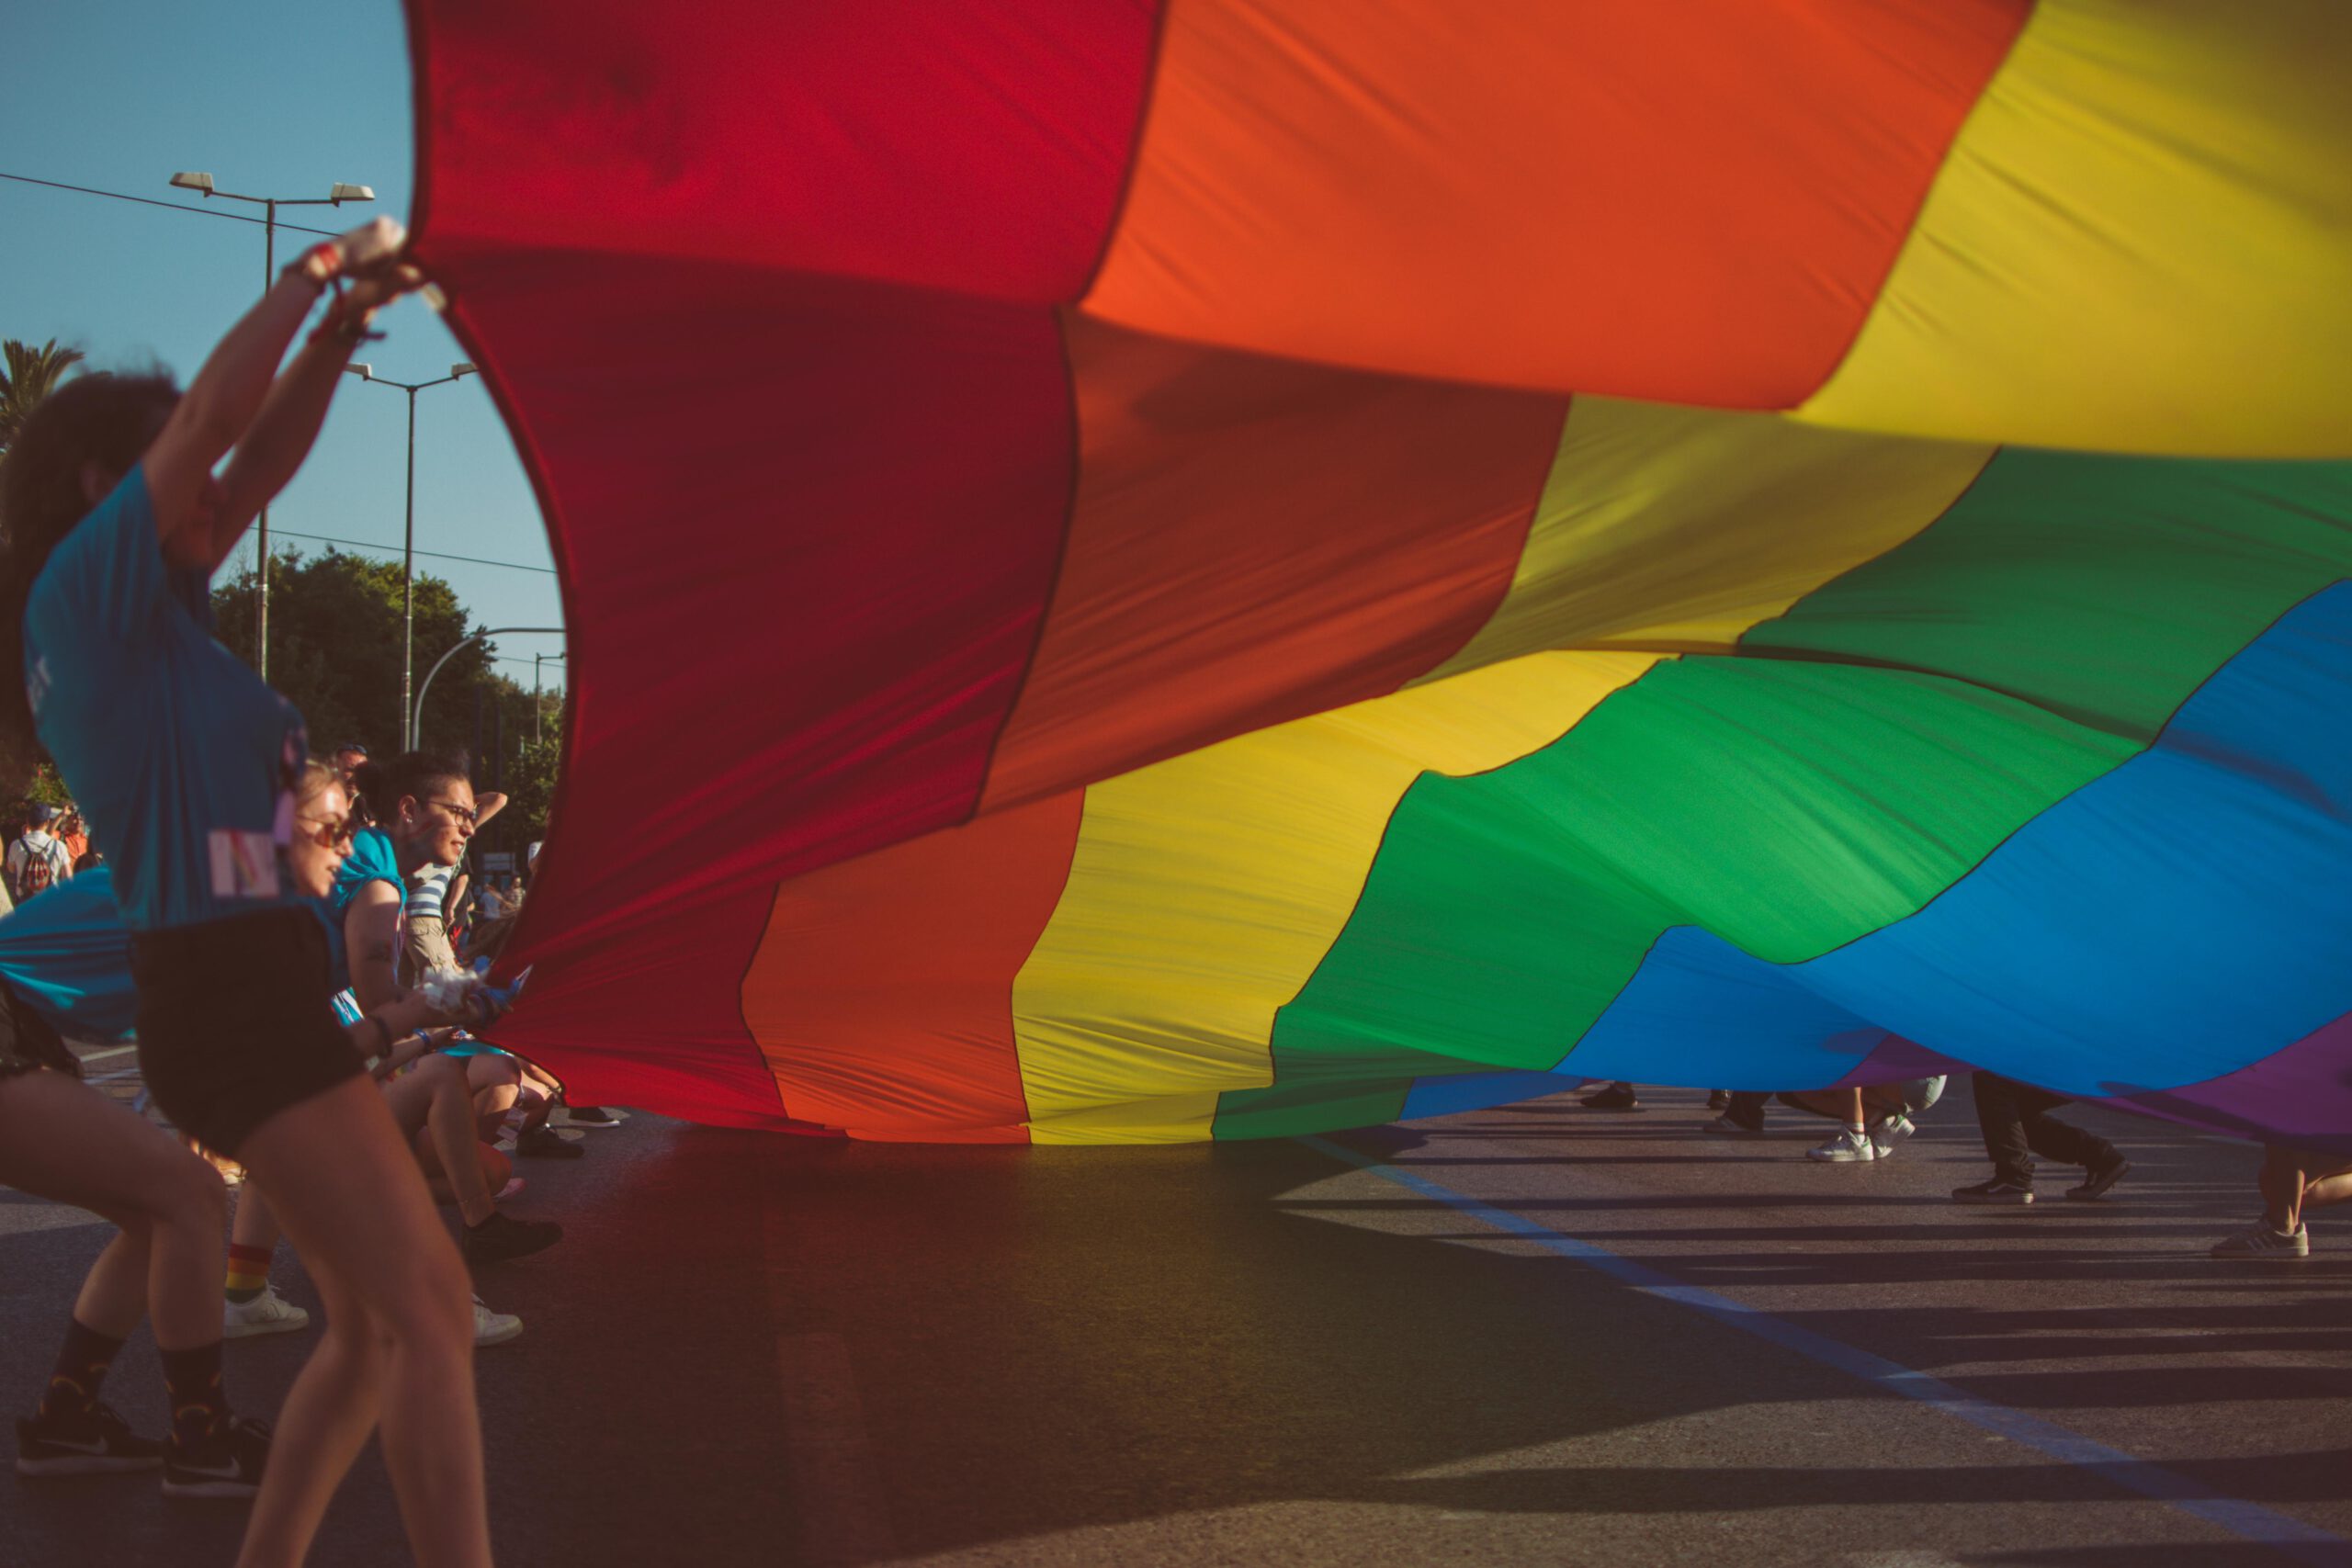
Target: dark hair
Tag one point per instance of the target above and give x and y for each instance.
(103, 419)
(381, 785)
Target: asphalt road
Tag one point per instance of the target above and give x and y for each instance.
(1540, 1335)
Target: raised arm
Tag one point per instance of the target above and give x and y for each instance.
(281, 437)
(225, 405)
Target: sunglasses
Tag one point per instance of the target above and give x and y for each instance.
(328, 835)
(462, 813)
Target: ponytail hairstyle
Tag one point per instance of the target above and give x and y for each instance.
(104, 420)
(381, 787)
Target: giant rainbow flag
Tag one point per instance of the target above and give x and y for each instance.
(1253, 566)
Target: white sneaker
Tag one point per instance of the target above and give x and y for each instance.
(494, 1327)
(1888, 1130)
(1849, 1145)
(268, 1312)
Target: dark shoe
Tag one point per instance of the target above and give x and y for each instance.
(1718, 1100)
(499, 1239)
(2101, 1177)
(589, 1116)
(228, 1463)
(95, 1443)
(1734, 1126)
(1616, 1097)
(2000, 1190)
(544, 1141)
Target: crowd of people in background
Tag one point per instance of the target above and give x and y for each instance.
(2014, 1120)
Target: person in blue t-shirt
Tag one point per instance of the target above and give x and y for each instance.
(425, 813)
(186, 763)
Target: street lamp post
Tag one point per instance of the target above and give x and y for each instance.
(408, 523)
(339, 193)
(538, 709)
(416, 715)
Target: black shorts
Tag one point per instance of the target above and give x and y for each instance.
(235, 1024)
(27, 1041)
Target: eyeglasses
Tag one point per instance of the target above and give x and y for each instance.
(328, 835)
(462, 813)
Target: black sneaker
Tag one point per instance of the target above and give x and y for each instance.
(2100, 1176)
(1616, 1097)
(97, 1442)
(589, 1116)
(499, 1238)
(544, 1141)
(2000, 1190)
(227, 1463)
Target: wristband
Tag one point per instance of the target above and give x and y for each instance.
(318, 263)
(343, 324)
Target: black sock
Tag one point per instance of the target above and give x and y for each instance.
(193, 1379)
(82, 1363)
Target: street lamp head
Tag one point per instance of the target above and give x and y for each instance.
(188, 179)
(365, 372)
(465, 369)
(339, 195)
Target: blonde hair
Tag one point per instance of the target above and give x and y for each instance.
(316, 777)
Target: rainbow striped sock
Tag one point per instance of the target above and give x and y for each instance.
(248, 1273)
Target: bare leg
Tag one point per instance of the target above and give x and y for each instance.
(434, 1095)
(61, 1140)
(113, 1293)
(254, 1224)
(328, 1412)
(2289, 1186)
(353, 1202)
(497, 1083)
(2320, 1191)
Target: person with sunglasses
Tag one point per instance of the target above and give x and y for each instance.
(123, 495)
(430, 1098)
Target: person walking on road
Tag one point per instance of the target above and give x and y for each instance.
(2015, 1121)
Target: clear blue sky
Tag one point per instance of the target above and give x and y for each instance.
(274, 99)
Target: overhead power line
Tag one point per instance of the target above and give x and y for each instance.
(175, 206)
(395, 549)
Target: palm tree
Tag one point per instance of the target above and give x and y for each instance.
(32, 375)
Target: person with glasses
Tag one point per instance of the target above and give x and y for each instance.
(123, 496)
(425, 813)
(434, 891)
(431, 1097)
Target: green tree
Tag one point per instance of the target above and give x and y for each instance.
(335, 650)
(334, 647)
(32, 374)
